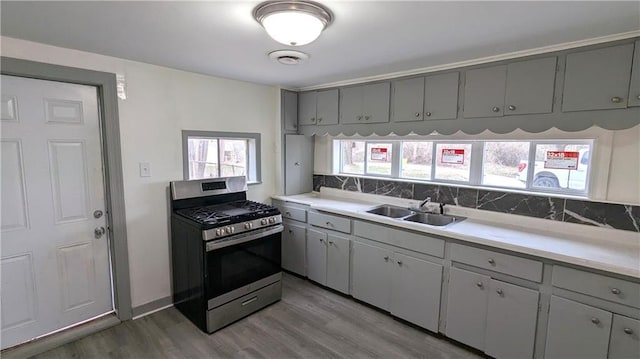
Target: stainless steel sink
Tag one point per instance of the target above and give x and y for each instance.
(433, 219)
(391, 211)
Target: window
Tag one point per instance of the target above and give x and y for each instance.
(221, 154)
(560, 166)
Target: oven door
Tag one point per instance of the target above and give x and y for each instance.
(242, 264)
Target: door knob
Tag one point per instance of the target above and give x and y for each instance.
(99, 232)
(97, 213)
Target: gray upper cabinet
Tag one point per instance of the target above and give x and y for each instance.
(519, 88)
(576, 330)
(441, 96)
(298, 158)
(318, 108)
(625, 338)
(290, 110)
(597, 79)
(484, 92)
(530, 86)
(426, 98)
(634, 90)
(365, 104)
(408, 99)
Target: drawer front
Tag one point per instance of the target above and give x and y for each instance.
(596, 285)
(498, 262)
(418, 242)
(294, 213)
(330, 222)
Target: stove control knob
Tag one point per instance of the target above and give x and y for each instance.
(228, 230)
(263, 221)
(272, 220)
(247, 226)
(233, 229)
(218, 232)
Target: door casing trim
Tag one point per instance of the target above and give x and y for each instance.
(111, 152)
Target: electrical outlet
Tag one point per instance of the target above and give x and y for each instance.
(145, 169)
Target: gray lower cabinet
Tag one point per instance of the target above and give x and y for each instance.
(318, 107)
(625, 338)
(493, 316)
(290, 110)
(634, 89)
(406, 286)
(426, 98)
(519, 88)
(328, 257)
(597, 79)
(365, 104)
(577, 330)
(294, 248)
(298, 158)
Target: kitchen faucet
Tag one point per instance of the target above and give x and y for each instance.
(425, 202)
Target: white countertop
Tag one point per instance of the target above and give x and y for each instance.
(610, 250)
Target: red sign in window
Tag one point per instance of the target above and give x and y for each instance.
(563, 160)
(379, 153)
(452, 155)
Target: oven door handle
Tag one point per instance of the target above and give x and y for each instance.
(213, 245)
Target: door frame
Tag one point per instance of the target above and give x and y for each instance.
(112, 158)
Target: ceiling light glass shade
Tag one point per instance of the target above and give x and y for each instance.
(293, 23)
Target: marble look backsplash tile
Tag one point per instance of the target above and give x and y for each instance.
(618, 216)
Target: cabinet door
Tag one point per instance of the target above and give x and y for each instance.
(294, 248)
(375, 102)
(415, 291)
(307, 108)
(530, 86)
(576, 330)
(298, 176)
(371, 274)
(634, 90)
(625, 338)
(351, 105)
(511, 321)
(441, 97)
(317, 256)
(597, 79)
(467, 307)
(290, 110)
(327, 107)
(484, 92)
(338, 255)
(408, 99)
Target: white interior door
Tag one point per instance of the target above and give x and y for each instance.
(54, 270)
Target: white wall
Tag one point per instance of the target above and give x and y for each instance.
(615, 173)
(160, 103)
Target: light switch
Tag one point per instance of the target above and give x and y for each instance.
(145, 169)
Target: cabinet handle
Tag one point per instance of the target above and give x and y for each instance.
(512, 107)
(500, 292)
(366, 118)
(313, 119)
(628, 331)
(320, 119)
(287, 212)
(417, 114)
(359, 118)
(495, 109)
(479, 284)
(616, 99)
(638, 97)
(428, 114)
(400, 263)
(595, 320)
(616, 291)
(290, 231)
(329, 224)
(296, 163)
(330, 243)
(386, 258)
(491, 261)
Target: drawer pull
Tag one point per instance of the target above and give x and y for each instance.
(492, 261)
(616, 291)
(628, 331)
(288, 213)
(330, 243)
(400, 263)
(290, 231)
(386, 258)
(248, 301)
(595, 320)
(479, 284)
(500, 292)
(616, 99)
(329, 224)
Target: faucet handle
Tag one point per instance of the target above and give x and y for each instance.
(442, 208)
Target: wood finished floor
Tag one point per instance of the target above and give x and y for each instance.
(309, 322)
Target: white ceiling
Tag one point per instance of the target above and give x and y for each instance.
(367, 38)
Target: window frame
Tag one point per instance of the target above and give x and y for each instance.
(254, 164)
(477, 161)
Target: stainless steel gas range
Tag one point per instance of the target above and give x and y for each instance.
(226, 251)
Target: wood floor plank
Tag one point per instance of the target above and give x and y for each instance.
(309, 322)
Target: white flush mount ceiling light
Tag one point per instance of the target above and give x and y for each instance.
(293, 23)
